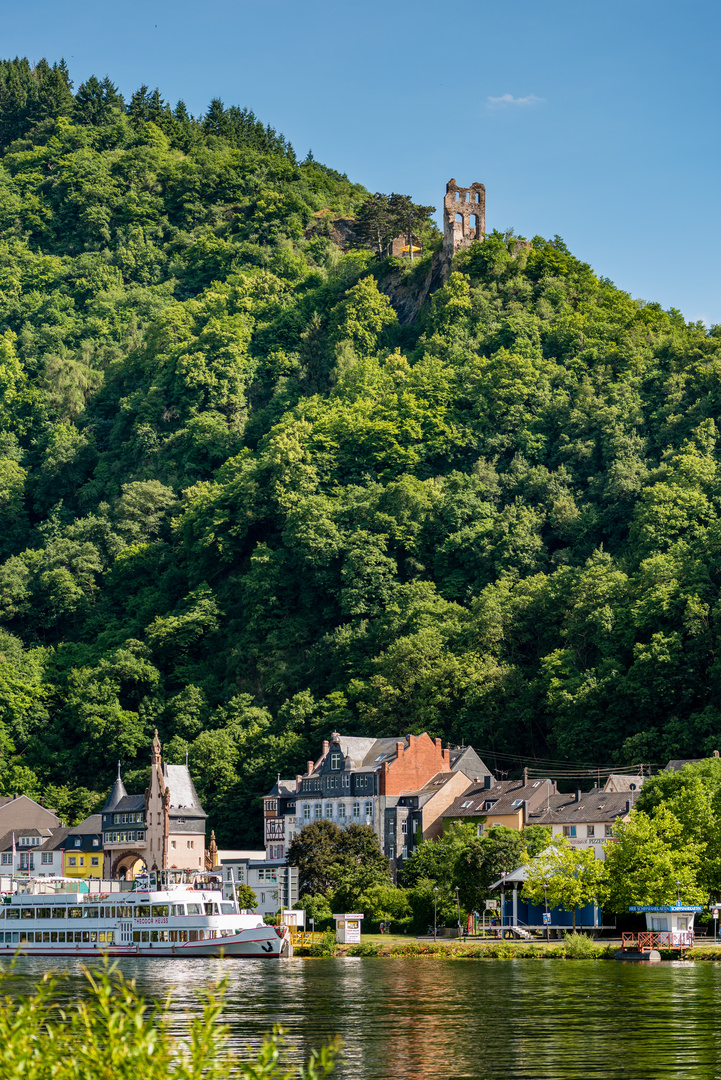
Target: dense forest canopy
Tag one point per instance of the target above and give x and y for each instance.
(244, 503)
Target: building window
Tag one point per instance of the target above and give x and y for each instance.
(271, 805)
(7, 858)
(95, 861)
(369, 809)
(96, 842)
(404, 853)
(172, 843)
(591, 830)
(569, 830)
(72, 861)
(356, 811)
(306, 811)
(609, 830)
(82, 860)
(335, 761)
(46, 858)
(480, 829)
(404, 825)
(341, 811)
(318, 811)
(329, 810)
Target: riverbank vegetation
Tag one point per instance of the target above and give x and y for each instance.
(243, 502)
(111, 1033)
(668, 849)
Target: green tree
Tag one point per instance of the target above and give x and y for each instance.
(246, 897)
(347, 861)
(647, 860)
(567, 877)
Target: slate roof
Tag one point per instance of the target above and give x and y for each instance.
(129, 802)
(118, 792)
(503, 795)
(465, 759)
(92, 825)
(52, 839)
(623, 782)
(593, 806)
(678, 763)
(285, 789)
(184, 801)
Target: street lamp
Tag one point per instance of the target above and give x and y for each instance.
(678, 894)
(545, 907)
(458, 909)
(435, 912)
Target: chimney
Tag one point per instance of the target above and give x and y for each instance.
(310, 768)
(628, 805)
(579, 793)
(715, 753)
(487, 782)
(298, 779)
(326, 744)
(400, 747)
(335, 737)
(525, 777)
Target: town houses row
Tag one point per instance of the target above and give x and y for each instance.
(409, 789)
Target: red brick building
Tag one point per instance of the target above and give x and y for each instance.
(376, 782)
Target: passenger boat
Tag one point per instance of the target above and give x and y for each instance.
(166, 914)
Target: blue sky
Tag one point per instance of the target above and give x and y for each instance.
(599, 122)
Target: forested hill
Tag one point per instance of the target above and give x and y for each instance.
(241, 503)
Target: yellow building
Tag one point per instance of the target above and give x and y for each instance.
(83, 856)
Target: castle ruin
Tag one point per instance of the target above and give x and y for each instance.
(464, 217)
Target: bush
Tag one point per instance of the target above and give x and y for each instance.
(326, 947)
(113, 1032)
(364, 950)
(578, 946)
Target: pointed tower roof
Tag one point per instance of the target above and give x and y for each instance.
(116, 794)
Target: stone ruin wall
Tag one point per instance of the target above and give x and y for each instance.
(464, 217)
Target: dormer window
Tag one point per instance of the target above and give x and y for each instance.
(489, 804)
(335, 761)
(77, 841)
(466, 804)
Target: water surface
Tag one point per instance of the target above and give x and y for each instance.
(423, 1018)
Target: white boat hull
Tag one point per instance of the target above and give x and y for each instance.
(259, 946)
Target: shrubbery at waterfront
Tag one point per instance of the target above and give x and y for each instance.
(112, 1033)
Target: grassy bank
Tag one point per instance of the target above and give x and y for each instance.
(572, 947)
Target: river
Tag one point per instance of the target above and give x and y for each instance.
(422, 1018)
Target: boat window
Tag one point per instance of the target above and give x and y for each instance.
(59, 913)
(160, 911)
(178, 909)
(142, 911)
(27, 913)
(42, 913)
(2, 913)
(125, 912)
(13, 913)
(194, 909)
(90, 912)
(212, 909)
(193, 935)
(75, 913)
(228, 909)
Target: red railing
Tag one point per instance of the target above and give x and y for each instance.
(657, 939)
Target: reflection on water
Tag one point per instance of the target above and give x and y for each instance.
(417, 1019)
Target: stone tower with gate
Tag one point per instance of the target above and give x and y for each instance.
(464, 217)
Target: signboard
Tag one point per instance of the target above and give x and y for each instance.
(492, 905)
(547, 918)
(348, 928)
(675, 907)
(274, 828)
